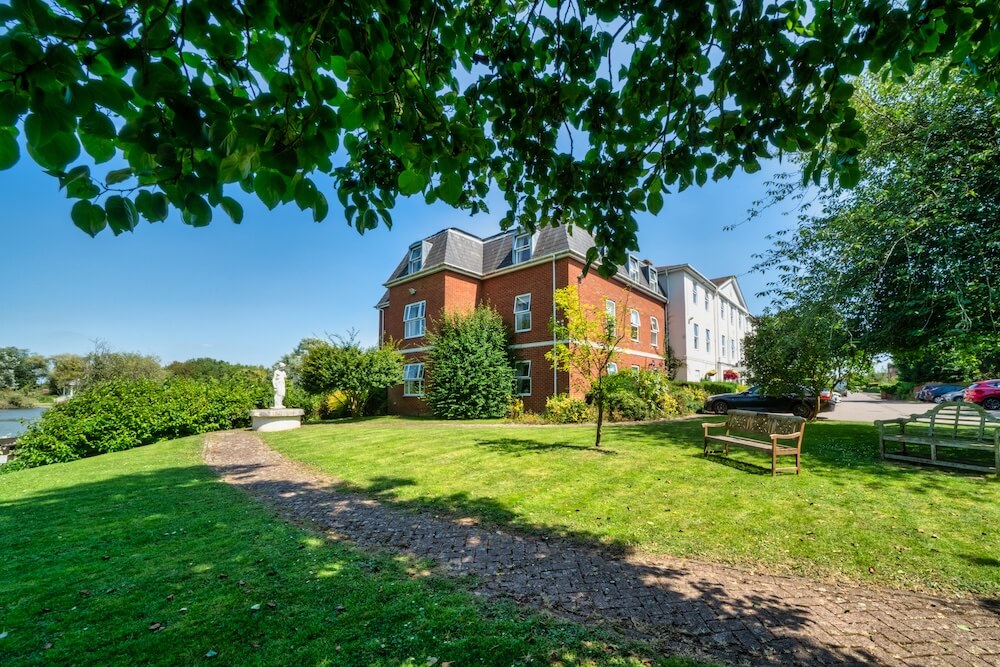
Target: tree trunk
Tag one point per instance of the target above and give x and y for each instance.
(600, 420)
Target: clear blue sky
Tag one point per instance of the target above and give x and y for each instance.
(249, 293)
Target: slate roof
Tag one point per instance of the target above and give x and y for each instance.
(459, 250)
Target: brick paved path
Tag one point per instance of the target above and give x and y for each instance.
(715, 612)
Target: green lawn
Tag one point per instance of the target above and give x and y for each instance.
(144, 557)
(849, 516)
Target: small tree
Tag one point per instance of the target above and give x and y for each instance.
(469, 368)
(588, 342)
(345, 366)
(800, 351)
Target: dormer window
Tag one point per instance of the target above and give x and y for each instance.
(416, 261)
(633, 269)
(652, 279)
(522, 248)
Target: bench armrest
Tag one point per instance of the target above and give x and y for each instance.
(708, 425)
(785, 436)
(899, 421)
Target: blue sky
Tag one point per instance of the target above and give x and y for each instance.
(248, 293)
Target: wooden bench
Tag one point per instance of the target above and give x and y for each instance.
(761, 431)
(948, 426)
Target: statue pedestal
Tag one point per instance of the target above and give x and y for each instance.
(276, 419)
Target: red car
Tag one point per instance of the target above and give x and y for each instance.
(985, 393)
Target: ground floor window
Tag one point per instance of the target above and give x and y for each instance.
(522, 378)
(413, 380)
(612, 368)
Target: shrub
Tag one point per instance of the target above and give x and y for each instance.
(689, 396)
(564, 409)
(515, 410)
(716, 387)
(334, 406)
(635, 395)
(469, 369)
(362, 374)
(119, 415)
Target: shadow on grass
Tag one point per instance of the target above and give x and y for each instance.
(571, 573)
(743, 466)
(520, 446)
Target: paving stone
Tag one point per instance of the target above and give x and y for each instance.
(721, 613)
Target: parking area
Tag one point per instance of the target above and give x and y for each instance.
(860, 407)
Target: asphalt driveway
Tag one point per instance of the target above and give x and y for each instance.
(860, 407)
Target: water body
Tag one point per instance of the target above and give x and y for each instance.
(15, 422)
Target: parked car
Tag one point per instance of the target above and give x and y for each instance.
(985, 393)
(932, 393)
(956, 395)
(755, 399)
(922, 393)
(832, 396)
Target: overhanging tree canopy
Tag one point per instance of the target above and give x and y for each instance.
(586, 111)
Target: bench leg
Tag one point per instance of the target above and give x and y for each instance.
(774, 462)
(798, 463)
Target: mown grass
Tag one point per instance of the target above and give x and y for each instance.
(849, 516)
(144, 557)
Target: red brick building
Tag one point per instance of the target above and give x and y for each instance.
(516, 274)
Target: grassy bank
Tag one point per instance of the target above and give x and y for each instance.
(849, 516)
(144, 557)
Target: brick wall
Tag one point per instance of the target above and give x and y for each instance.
(454, 292)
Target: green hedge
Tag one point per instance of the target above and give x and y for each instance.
(710, 387)
(119, 415)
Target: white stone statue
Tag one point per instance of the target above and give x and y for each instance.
(278, 382)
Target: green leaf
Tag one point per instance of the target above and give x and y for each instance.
(88, 217)
(269, 186)
(56, 152)
(411, 182)
(450, 188)
(320, 207)
(122, 214)
(654, 202)
(232, 208)
(102, 150)
(118, 175)
(305, 193)
(197, 212)
(10, 152)
(152, 206)
(339, 66)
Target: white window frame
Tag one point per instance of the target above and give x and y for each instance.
(414, 264)
(413, 382)
(612, 368)
(521, 252)
(708, 300)
(654, 284)
(722, 309)
(732, 348)
(722, 345)
(731, 315)
(522, 377)
(411, 320)
(694, 292)
(523, 300)
(633, 270)
(635, 323)
(635, 367)
(696, 336)
(611, 314)
(708, 340)
(654, 332)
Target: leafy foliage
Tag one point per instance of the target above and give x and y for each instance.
(469, 369)
(20, 369)
(107, 365)
(564, 409)
(586, 112)
(909, 257)
(206, 368)
(803, 351)
(65, 370)
(360, 373)
(589, 340)
(117, 415)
